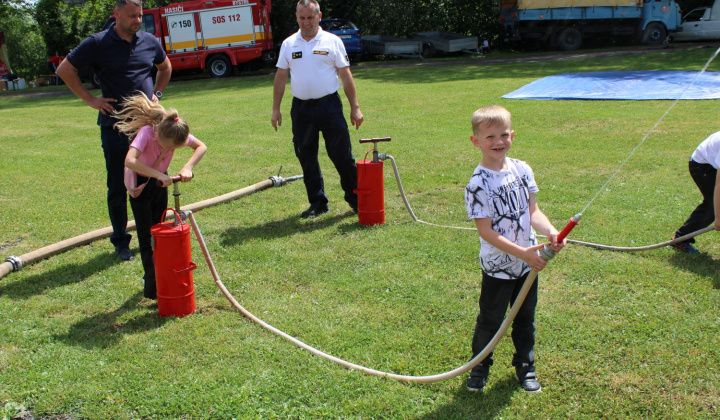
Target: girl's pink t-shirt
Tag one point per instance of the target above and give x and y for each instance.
(146, 142)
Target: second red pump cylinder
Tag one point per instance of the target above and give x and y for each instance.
(371, 193)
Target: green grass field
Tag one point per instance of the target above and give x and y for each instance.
(619, 335)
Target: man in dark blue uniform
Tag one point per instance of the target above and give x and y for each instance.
(122, 57)
(314, 59)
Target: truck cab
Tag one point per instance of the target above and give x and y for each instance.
(700, 24)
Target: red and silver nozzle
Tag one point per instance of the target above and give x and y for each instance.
(574, 221)
(546, 252)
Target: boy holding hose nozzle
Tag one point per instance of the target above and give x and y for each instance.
(500, 197)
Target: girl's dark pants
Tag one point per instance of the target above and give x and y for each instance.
(496, 296)
(148, 209)
(703, 216)
(325, 115)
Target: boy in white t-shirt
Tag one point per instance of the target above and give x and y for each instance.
(704, 164)
(500, 197)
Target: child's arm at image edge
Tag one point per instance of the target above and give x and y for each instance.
(716, 201)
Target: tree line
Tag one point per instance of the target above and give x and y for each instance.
(36, 30)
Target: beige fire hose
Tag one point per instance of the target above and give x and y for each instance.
(546, 253)
(647, 247)
(405, 378)
(16, 263)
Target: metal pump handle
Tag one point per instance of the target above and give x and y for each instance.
(375, 141)
(175, 179)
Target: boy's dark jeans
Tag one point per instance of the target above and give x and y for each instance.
(496, 296)
(703, 216)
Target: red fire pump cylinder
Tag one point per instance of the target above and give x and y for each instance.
(173, 268)
(371, 193)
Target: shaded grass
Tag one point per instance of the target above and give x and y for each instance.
(619, 335)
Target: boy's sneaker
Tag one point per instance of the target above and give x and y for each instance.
(685, 247)
(476, 382)
(527, 378)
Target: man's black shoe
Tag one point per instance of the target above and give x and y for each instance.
(314, 211)
(124, 254)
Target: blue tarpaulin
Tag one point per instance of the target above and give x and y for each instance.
(623, 85)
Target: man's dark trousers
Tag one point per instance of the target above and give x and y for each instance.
(703, 216)
(115, 147)
(325, 115)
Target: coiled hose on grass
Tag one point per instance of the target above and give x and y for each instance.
(532, 276)
(405, 378)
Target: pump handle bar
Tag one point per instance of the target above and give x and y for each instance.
(375, 140)
(174, 179)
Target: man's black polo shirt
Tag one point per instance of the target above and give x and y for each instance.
(122, 67)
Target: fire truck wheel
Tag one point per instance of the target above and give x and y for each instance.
(219, 66)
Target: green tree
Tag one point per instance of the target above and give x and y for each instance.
(400, 18)
(64, 26)
(25, 45)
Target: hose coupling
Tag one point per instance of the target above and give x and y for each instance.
(16, 262)
(184, 215)
(383, 156)
(547, 253)
(277, 181)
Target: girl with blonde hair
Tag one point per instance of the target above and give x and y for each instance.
(155, 134)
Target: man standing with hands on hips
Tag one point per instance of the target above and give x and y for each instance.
(122, 57)
(314, 59)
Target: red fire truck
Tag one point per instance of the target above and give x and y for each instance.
(213, 34)
(216, 35)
